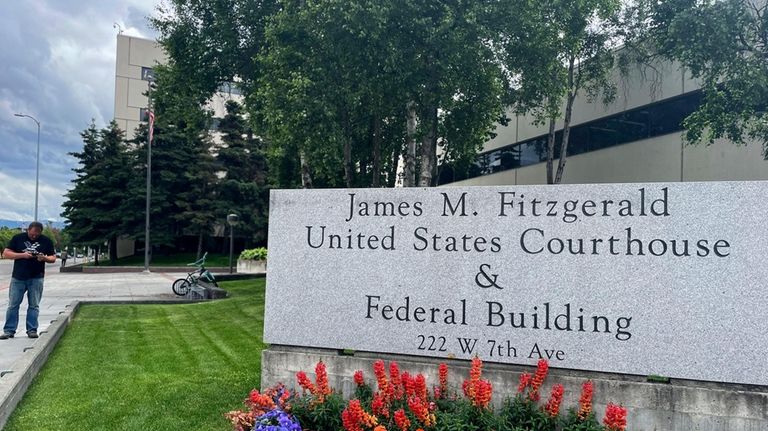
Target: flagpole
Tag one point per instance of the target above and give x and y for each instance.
(151, 125)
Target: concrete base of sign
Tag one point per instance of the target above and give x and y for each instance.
(677, 405)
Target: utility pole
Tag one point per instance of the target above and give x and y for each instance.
(151, 125)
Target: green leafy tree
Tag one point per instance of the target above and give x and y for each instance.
(724, 45)
(569, 54)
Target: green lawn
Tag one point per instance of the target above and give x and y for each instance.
(150, 367)
(180, 259)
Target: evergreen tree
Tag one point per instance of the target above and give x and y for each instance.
(93, 204)
(243, 186)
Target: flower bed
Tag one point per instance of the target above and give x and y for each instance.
(403, 402)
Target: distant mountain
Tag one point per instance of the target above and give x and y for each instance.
(17, 223)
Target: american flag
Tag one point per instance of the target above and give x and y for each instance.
(151, 126)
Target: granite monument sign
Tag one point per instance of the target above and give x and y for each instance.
(659, 278)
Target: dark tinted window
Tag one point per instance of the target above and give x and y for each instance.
(642, 123)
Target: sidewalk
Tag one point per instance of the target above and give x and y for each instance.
(63, 288)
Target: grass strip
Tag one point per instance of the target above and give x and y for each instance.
(150, 367)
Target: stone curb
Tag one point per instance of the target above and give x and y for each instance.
(14, 383)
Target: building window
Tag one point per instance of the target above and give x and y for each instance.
(649, 121)
(143, 114)
(147, 74)
(230, 88)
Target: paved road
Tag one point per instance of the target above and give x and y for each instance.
(63, 288)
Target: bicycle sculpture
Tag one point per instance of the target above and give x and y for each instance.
(182, 286)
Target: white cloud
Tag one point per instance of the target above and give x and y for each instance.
(57, 63)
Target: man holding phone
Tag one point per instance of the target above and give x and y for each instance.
(30, 251)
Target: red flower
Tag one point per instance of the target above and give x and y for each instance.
(354, 418)
(379, 406)
(322, 380)
(420, 409)
(395, 387)
(585, 402)
(359, 380)
(381, 376)
(442, 372)
(555, 398)
(420, 386)
(525, 380)
(409, 384)
(478, 391)
(401, 420)
(305, 383)
(615, 418)
(538, 379)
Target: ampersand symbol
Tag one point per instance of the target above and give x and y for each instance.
(485, 280)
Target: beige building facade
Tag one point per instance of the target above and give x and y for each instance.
(637, 138)
(136, 59)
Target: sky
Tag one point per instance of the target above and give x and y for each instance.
(57, 64)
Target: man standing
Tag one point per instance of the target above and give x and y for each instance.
(30, 251)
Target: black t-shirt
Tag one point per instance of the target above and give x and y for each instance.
(25, 269)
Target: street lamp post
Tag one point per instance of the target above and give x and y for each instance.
(149, 172)
(37, 173)
(231, 221)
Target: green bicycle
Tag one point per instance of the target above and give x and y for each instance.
(182, 286)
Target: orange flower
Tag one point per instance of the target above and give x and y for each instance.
(305, 383)
(585, 402)
(478, 391)
(420, 386)
(380, 428)
(359, 380)
(322, 380)
(401, 420)
(408, 384)
(483, 393)
(555, 398)
(381, 376)
(354, 418)
(615, 417)
(420, 409)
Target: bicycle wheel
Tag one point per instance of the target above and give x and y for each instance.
(181, 286)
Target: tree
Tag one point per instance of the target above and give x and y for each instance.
(243, 185)
(183, 171)
(93, 204)
(570, 52)
(724, 45)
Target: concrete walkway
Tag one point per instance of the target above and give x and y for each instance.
(61, 289)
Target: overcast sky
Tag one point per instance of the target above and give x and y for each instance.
(57, 63)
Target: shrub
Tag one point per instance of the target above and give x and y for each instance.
(254, 254)
(402, 402)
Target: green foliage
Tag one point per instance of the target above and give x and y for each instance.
(254, 254)
(520, 413)
(723, 44)
(572, 422)
(5, 236)
(312, 415)
(93, 206)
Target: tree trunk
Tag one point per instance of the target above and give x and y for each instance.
(199, 245)
(96, 255)
(348, 161)
(306, 177)
(392, 174)
(567, 121)
(429, 149)
(409, 158)
(551, 151)
(113, 250)
(376, 179)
